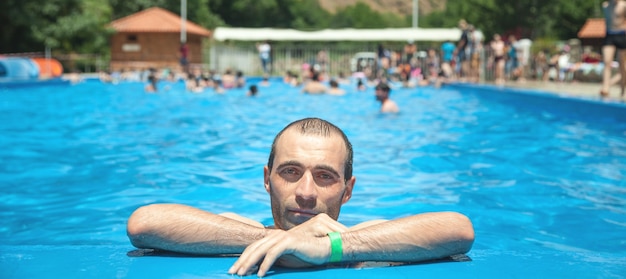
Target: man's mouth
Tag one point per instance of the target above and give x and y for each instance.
(303, 212)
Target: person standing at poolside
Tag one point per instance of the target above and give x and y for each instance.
(614, 40)
(497, 49)
(382, 95)
(265, 54)
(474, 52)
(308, 178)
(447, 56)
(459, 51)
(184, 57)
(512, 62)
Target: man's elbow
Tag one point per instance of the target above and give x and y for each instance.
(464, 232)
(138, 227)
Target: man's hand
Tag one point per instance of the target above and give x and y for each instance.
(319, 226)
(303, 245)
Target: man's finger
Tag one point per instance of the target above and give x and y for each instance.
(270, 258)
(253, 254)
(245, 254)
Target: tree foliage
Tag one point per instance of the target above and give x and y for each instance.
(80, 25)
(362, 16)
(560, 19)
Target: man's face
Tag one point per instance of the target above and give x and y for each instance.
(307, 178)
(381, 95)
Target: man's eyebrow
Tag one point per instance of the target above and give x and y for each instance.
(290, 163)
(298, 164)
(328, 169)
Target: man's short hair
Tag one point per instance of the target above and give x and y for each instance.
(383, 86)
(317, 127)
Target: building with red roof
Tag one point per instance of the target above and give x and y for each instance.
(151, 38)
(592, 33)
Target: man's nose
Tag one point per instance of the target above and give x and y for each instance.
(307, 189)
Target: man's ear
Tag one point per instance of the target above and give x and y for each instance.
(266, 178)
(347, 194)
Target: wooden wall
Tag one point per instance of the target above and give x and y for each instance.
(159, 50)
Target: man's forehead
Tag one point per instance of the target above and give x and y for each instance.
(292, 136)
(293, 133)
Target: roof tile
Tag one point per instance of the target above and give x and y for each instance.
(156, 19)
(592, 29)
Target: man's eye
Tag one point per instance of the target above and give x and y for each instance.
(325, 176)
(289, 171)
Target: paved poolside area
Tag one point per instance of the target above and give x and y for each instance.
(578, 89)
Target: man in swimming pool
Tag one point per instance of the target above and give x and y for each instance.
(382, 95)
(308, 177)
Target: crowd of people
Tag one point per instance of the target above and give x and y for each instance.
(311, 81)
(504, 58)
(408, 67)
(473, 58)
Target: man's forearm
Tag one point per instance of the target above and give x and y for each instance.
(415, 238)
(184, 229)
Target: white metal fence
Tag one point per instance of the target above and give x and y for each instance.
(340, 58)
(337, 58)
(334, 59)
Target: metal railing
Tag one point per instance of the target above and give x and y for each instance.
(333, 59)
(341, 59)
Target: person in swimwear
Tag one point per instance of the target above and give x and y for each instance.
(614, 40)
(228, 79)
(253, 90)
(459, 51)
(497, 47)
(334, 88)
(382, 95)
(314, 86)
(308, 177)
(151, 87)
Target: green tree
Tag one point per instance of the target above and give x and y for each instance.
(298, 14)
(66, 25)
(529, 18)
(122, 8)
(307, 15)
(198, 11)
(16, 22)
(361, 15)
(79, 25)
(73, 26)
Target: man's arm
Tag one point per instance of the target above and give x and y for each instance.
(416, 238)
(184, 229)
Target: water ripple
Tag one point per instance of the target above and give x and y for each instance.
(81, 159)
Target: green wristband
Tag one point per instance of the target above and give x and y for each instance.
(336, 247)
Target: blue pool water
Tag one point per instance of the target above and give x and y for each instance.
(542, 178)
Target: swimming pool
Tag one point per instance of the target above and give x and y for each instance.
(542, 178)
